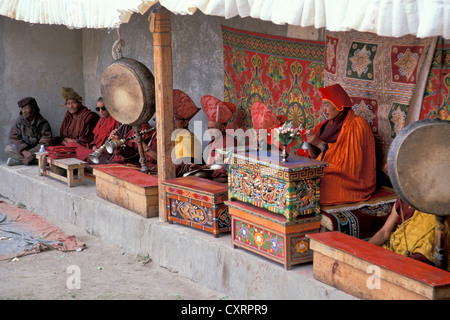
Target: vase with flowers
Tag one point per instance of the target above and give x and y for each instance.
(286, 135)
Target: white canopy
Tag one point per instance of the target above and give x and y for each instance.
(394, 18)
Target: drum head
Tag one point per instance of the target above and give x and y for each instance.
(419, 168)
(128, 90)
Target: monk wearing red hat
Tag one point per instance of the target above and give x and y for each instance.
(263, 118)
(346, 142)
(218, 113)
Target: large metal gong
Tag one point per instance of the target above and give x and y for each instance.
(419, 166)
(128, 90)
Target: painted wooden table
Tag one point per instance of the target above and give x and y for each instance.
(128, 187)
(271, 235)
(198, 203)
(287, 188)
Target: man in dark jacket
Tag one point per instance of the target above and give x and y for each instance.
(30, 131)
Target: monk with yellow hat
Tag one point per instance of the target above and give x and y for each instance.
(346, 142)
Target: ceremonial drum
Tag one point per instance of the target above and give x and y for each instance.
(418, 166)
(128, 91)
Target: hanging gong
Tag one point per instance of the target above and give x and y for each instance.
(419, 166)
(128, 91)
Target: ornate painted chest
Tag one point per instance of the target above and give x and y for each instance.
(272, 235)
(287, 188)
(198, 203)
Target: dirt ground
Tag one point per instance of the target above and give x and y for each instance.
(100, 272)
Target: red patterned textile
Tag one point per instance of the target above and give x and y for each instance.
(216, 110)
(283, 73)
(436, 102)
(183, 106)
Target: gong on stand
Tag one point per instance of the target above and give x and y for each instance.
(418, 166)
(128, 90)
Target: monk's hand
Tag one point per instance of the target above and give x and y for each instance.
(113, 136)
(313, 138)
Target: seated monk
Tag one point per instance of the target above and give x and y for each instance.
(188, 149)
(78, 123)
(105, 125)
(419, 229)
(29, 132)
(346, 142)
(218, 113)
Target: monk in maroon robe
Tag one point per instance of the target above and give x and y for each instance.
(79, 122)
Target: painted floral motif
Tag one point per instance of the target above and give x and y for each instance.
(276, 70)
(302, 246)
(407, 63)
(257, 188)
(365, 111)
(397, 118)
(238, 61)
(331, 55)
(192, 212)
(259, 238)
(360, 61)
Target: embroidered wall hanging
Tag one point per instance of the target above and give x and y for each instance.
(283, 73)
(379, 74)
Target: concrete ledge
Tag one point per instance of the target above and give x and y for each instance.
(209, 261)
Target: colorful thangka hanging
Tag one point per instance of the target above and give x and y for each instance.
(436, 102)
(283, 73)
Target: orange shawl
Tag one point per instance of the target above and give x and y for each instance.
(351, 174)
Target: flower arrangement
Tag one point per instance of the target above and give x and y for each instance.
(287, 133)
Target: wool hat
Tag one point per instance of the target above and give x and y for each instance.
(183, 106)
(264, 118)
(68, 93)
(337, 96)
(31, 101)
(217, 111)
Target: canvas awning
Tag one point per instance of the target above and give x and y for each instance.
(393, 18)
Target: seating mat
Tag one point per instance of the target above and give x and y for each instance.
(363, 219)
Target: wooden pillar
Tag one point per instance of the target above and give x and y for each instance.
(162, 50)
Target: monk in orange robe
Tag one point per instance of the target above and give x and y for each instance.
(346, 142)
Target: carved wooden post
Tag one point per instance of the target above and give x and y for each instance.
(162, 50)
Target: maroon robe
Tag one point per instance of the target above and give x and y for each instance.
(81, 127)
